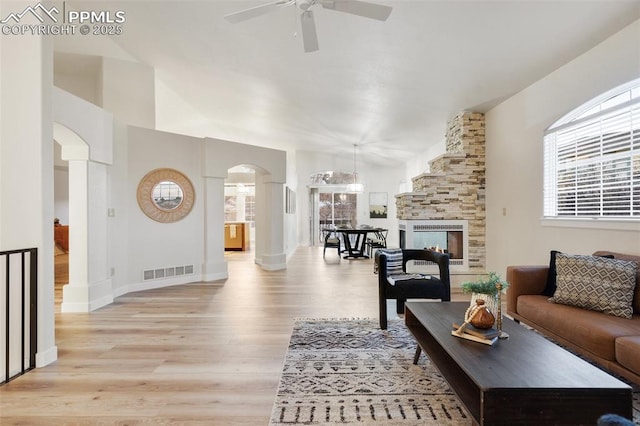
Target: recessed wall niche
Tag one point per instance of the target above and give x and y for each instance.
(165, 195)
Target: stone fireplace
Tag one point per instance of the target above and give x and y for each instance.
(452, 192)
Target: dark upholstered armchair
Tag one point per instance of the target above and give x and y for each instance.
(433, 288)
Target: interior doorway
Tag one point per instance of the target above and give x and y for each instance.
(61, 222)
(240, 210)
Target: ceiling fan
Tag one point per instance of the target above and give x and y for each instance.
(309, 36)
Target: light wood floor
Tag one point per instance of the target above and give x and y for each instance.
(197, 354)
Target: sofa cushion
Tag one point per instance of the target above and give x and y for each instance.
(627, 350)
(592, 331)
(550, 286)
(633, 258)
(595, 283)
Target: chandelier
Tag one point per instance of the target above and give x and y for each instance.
(355, 187)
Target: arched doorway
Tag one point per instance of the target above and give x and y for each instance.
(240, 209)
(270, 176)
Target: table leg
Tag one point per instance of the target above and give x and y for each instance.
(416, 357)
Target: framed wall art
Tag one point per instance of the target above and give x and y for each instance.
(377, 205)
(290, 201)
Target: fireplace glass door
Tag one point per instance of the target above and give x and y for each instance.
(446, 241)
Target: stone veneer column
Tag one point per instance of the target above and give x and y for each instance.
(454, 189)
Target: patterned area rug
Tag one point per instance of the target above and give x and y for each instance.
(351, 372)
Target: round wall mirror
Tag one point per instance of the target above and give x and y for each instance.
(165, 195)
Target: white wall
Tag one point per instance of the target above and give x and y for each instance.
(122, 87)
(175, 115)
(136, 151)
(292, 220)
(26, 165)
(80, 85)
(98, 46)
(152, 244)
(375, 178)
(128, 91)
(79, 74)
(119, 201)
(514, 157)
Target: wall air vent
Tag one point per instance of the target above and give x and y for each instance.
(169, 272)
(455, 262)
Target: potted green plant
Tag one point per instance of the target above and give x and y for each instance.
(486, 289)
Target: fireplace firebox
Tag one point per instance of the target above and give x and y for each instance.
(447, 236)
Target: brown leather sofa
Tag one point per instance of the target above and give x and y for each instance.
(610, 341)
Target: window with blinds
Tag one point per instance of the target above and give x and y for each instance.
(592, 158)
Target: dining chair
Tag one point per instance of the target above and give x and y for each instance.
(331, 240)
(377, 241)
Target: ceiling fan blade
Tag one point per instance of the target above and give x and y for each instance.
(309, 36)
(360, 8)
(253, 12)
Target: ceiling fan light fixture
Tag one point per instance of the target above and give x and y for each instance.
(304, 4)
(309, 36)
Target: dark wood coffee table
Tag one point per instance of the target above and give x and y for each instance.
(525, 379)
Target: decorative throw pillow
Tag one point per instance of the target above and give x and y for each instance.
(550, 287)
(595, 283)
(394, 261)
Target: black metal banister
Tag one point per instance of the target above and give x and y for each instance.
(28, 298)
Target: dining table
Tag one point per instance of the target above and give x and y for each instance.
(355, 240)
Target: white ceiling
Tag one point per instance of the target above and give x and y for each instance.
(387, 86)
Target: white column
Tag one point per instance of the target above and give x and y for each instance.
(100, 288)
(89, 285)
(76, 292)
(214, 267)
(272, 256)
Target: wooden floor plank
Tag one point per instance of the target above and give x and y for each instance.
(197, 354)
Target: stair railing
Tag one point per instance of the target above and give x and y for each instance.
(19, 324)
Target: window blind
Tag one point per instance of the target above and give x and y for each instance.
(592, 162)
